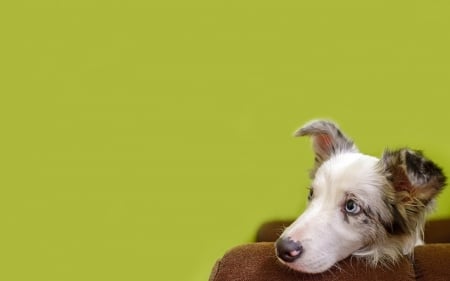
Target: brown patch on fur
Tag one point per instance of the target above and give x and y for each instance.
(400, 180)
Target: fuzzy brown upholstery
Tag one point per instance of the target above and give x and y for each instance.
(432, 262)
(257, 261)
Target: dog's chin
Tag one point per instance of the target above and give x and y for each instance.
(311, 267)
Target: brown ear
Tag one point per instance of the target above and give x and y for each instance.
(413, 175)
(327, 140)
(416, 181)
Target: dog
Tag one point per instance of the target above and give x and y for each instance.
(359, 205)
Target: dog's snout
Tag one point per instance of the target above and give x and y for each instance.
(288, 250)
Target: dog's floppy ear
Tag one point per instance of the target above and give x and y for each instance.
(327, 140)
(415, 181)
(418, 179)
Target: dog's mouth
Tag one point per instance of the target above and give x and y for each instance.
(362, 251)
(309, 266)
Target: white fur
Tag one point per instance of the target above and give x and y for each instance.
(325, 236)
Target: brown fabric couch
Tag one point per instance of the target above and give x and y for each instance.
(257, 261)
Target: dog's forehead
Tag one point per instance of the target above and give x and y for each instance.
(347, 171)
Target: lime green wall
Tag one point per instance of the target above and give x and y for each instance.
(142, 139)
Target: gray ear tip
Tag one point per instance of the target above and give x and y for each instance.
(320, 123)
(299, 133)
(315, 126)
(315, 122)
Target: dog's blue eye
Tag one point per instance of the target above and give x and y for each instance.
(352, 207)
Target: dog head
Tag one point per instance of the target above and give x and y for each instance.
(358, 204)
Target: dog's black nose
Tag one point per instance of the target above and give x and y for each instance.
(288, 250)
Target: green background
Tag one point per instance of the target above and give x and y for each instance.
(142, 139)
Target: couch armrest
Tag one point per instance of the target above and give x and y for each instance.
(257, 262)
(432, 262)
